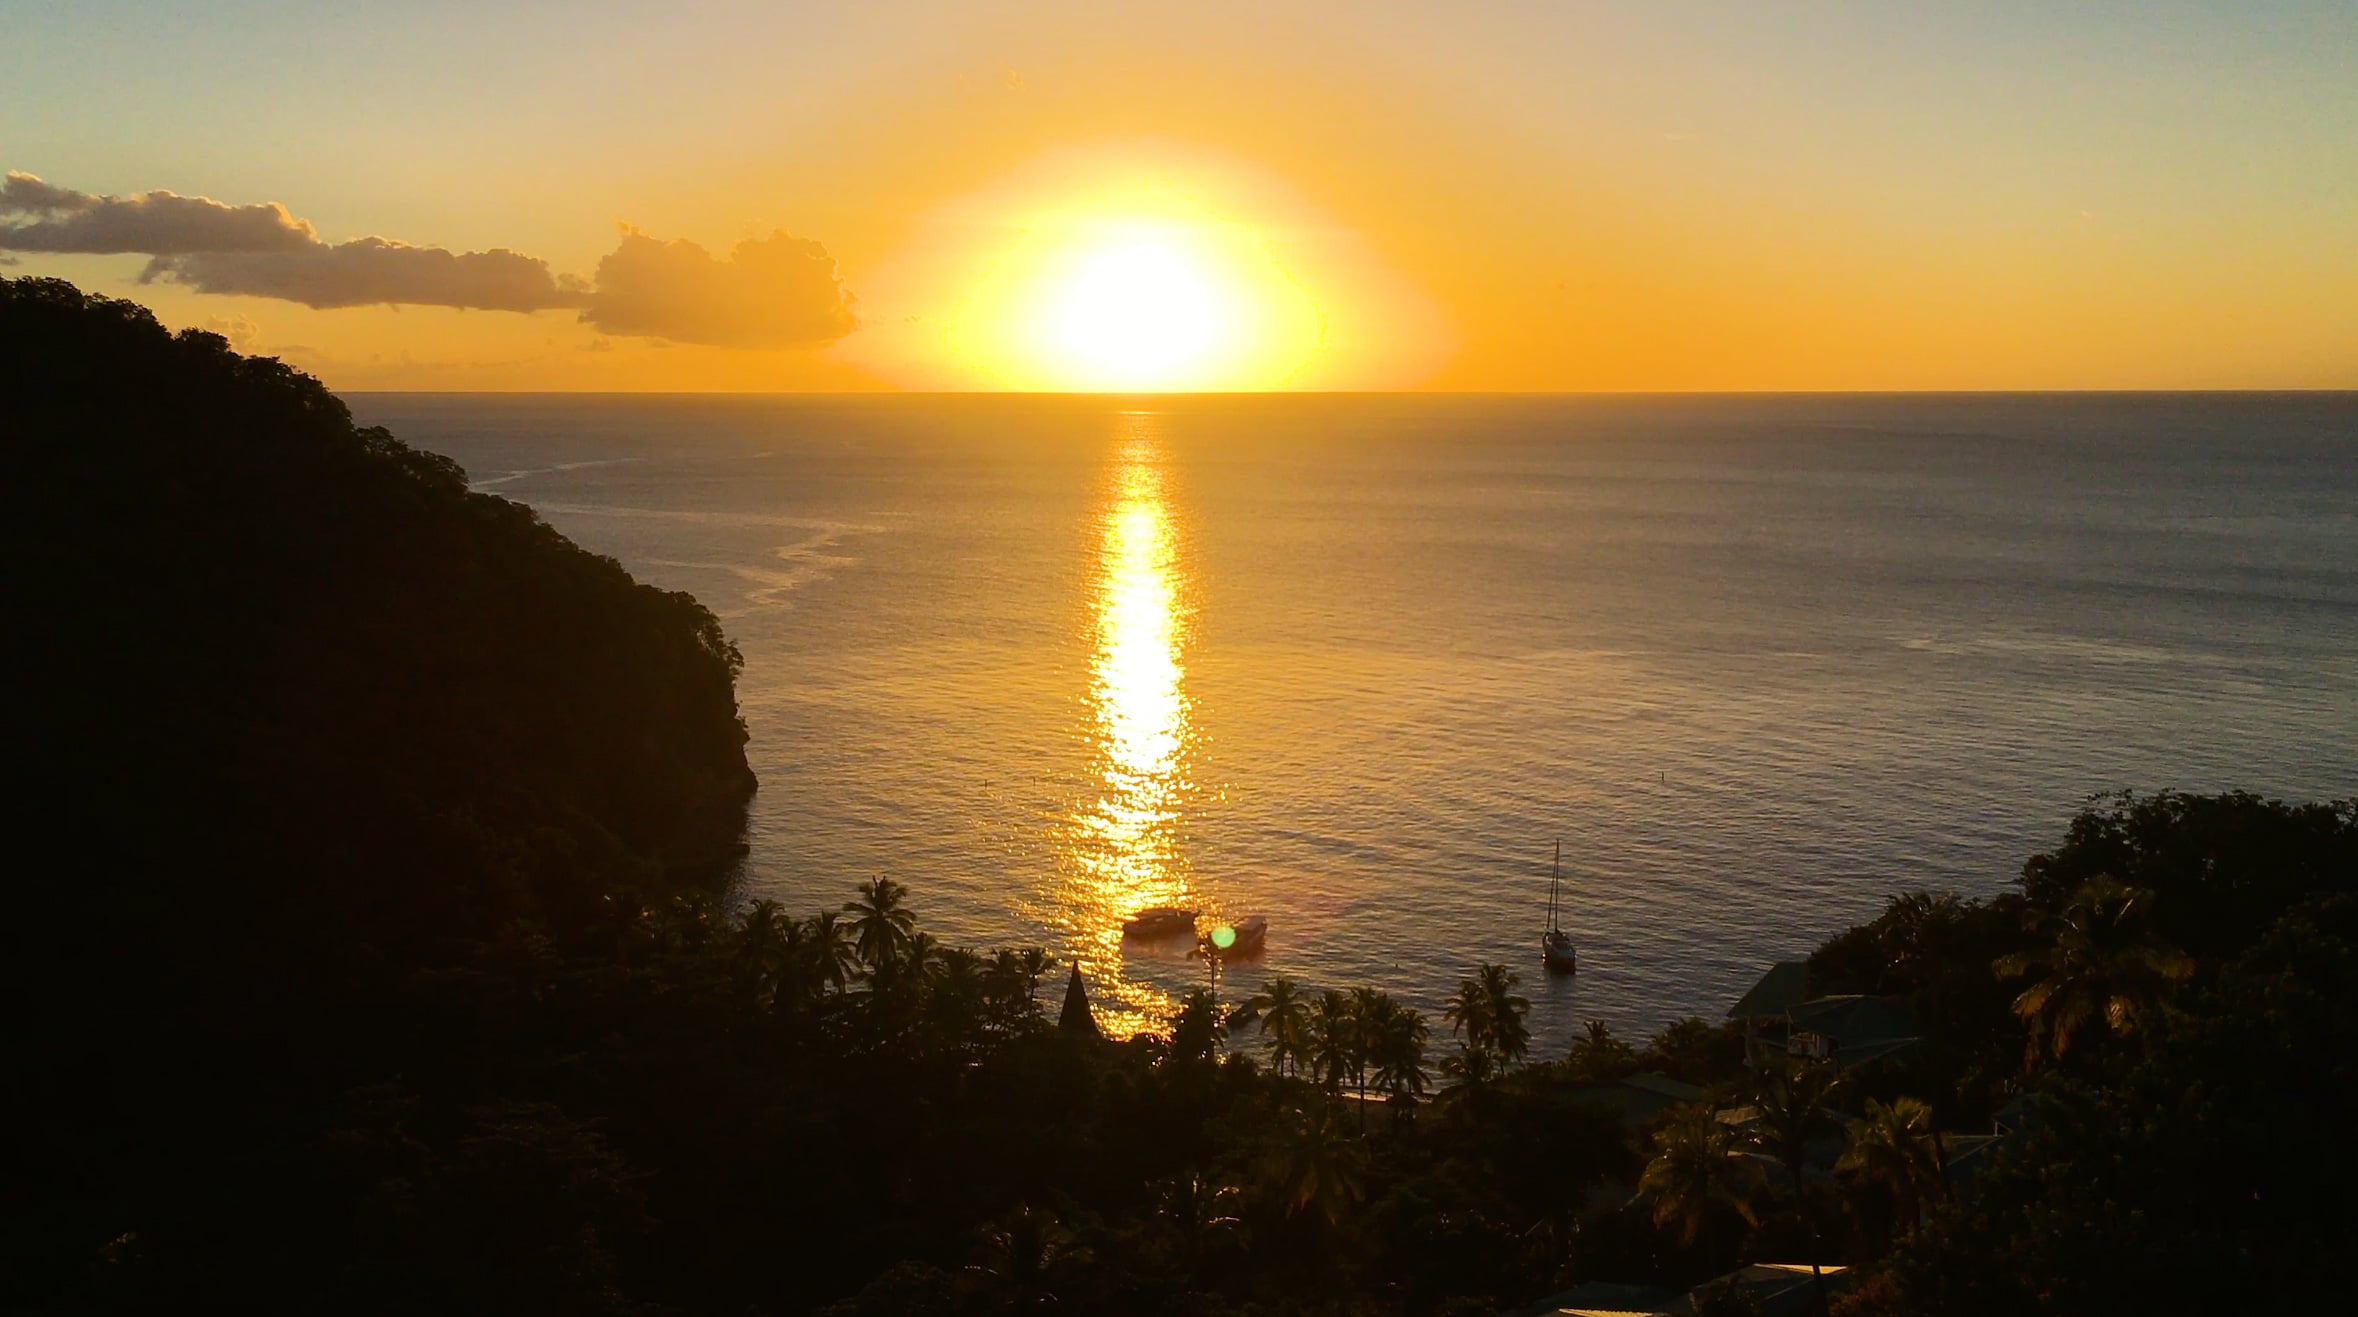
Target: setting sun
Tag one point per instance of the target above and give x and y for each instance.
(1135, 316)
(1122, 299)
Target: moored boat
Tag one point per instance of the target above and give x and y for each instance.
(1160, 922)
(1555, 945)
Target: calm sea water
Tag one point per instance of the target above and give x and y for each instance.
(1356, 664)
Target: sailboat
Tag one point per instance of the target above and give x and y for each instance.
(1555, 946)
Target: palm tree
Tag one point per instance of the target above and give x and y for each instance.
(1369, 1010)
(765, 944)
(921, 958)
(1284, 1017)
(1600, 1055)
(955, 982)
(1034, 964)
(833, 958)
(1200, 1210)
(1334, 1036)
(1789, 1102)
(1316, 1166)
(1509, 1036)
(1486, 1016)
(1396, 1050)
(1470, 1023)
(1896, 1146)
(1195, 1033)
(2101, 962)
(881, 924)
(1699, 1168)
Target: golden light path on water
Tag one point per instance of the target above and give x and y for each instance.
(1122, 851)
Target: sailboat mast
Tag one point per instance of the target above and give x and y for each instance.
(1554, 871)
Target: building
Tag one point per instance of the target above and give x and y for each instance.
(1637, 1099)
(1780, 1016)
(1076, 1018)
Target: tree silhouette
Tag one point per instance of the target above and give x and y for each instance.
(2101, 963)
(881, 925)
(1396, 1051)
(1789, 1102)
(767, 944)
(832, 951)
(1011, 987)
(1315, 1166)
(1510, 1036)
(1896, 1147)
(1700, 1169)
(1486, 1016)
(1196, 1030)
(1283, 1017)
(1200, 1211)
(1470, 1022)
(1034, 964)
(1368, 1007)
(1599, 1055)
(1334, 1039)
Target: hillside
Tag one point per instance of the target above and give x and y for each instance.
(304, 720)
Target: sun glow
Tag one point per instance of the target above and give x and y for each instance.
(1142, 304)
(1140, 267)
(1097, 301)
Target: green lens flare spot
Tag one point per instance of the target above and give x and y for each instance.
(1224, 937)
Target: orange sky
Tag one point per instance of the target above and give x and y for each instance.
(1379, 196)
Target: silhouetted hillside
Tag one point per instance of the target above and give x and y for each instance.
(279, 642)
(304, 716)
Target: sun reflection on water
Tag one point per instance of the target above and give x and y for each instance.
(1122, 850)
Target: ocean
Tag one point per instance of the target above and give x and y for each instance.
(1359, 664)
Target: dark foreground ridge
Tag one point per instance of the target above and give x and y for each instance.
(301, 720)
(374, 966)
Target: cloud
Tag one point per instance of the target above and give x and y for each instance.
(38, 217)
(375, 272)
(773, 292)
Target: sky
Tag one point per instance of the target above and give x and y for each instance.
(1373, 195)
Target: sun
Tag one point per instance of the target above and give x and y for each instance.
(1107, 300)
(1137, 315)
(1141, 267)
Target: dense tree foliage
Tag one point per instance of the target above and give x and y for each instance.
(2189, 1160)
(303, 723)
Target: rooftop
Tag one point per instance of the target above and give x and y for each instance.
(1855, 1020)
(1784, 986)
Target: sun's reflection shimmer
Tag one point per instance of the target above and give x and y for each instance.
(1122, 851)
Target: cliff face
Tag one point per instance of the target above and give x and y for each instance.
(293, 682)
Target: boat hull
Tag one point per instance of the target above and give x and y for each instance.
(1556, 953)
(1162, 922)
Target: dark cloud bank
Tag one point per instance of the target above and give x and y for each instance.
(774, 292)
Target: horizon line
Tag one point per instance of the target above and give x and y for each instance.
(1117, 396)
